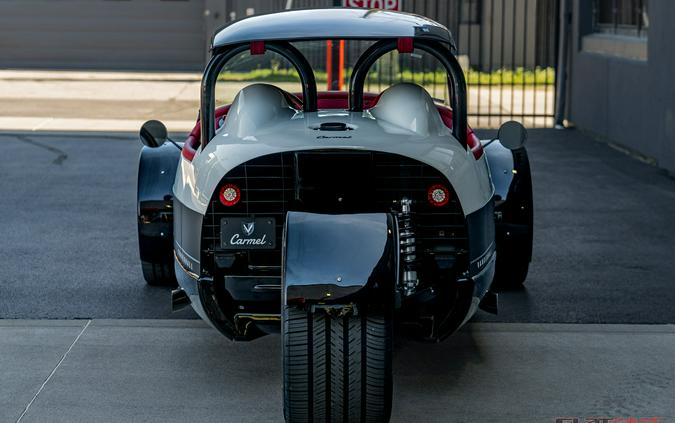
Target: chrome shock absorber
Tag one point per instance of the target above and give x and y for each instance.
(408, 248)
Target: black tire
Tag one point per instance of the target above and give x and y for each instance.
(510, 271)
(159, 274)
(336, 369)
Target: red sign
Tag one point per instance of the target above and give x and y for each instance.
(374, 4)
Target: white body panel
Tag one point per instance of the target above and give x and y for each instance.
(405, 121)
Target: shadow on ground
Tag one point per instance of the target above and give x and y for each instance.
(603, 249)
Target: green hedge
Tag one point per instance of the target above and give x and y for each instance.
(539, 76)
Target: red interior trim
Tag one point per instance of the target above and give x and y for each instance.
(472, 140)
(340, 99)
(194, 138)
(190, 147)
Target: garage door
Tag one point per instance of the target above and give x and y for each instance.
(103, 34)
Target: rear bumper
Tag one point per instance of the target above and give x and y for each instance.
(235, 304)
(190, 285)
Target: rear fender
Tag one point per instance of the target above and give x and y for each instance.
(156, 174)
(511, 176)
(339, 259)
(500, 162)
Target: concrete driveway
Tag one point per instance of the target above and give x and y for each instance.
(178, 371)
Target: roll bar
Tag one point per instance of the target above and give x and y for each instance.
(215, 65)
(455, 79)
(356, 84)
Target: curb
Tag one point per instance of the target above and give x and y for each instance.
(67, 75)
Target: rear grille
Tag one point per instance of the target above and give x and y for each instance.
(267, 188)
(332, 182)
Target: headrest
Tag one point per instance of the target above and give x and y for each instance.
(407, 107)
(254, 107)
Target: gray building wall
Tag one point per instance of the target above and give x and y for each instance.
(104, 34)
(174, 35)
(508, 33)
(625, 100)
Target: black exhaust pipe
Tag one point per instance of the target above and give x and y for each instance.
(179, 299)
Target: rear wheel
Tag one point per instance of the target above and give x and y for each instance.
(336, 368)
(159, 274)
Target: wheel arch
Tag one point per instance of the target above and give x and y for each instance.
(154, 203)
(514, 214)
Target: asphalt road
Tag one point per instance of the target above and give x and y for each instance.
(604, 233)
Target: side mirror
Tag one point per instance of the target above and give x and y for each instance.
(153, 133)
(512, 135)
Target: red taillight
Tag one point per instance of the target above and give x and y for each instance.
(438, 195)
(230, 195)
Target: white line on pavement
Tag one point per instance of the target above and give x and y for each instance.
(53, 371)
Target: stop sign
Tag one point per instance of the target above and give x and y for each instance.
(374, 4)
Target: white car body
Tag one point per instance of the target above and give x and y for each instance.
(405, 121)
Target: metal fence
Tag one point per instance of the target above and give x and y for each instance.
(508, 51)
(507, 48)
(622, 17)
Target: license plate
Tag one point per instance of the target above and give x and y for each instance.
(245, 233)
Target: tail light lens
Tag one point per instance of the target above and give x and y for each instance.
(438, 195)
(230, 195)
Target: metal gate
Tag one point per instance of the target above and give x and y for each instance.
(508, 49)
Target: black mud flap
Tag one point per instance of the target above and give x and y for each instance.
(339, 259)
(156, 174)
(511, 175)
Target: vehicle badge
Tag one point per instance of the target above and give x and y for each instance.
(248, 228)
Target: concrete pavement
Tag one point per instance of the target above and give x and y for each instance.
(178, 371)
(122, 101)
(96, 101)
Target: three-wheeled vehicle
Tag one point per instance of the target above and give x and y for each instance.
(328, 216)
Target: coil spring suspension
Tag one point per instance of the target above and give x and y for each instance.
(408, 248)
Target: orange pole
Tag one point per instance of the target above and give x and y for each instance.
(329, 64)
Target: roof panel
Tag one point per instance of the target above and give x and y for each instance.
(334, 23)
